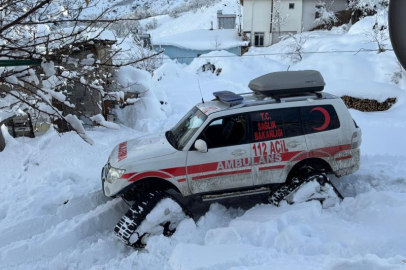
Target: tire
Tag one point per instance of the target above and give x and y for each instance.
(305, 176)
(154, 213)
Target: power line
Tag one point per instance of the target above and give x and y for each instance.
(270, 54)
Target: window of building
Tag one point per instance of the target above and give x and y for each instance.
(259, 39)
(319, 118)
(291, 5)
(226, 131)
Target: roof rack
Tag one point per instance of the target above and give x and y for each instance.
(274, 100)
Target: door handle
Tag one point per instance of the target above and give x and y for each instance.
(238, 152)
(294, 144)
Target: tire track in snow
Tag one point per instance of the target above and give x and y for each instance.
(62, 236)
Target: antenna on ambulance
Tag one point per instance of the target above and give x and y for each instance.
(200, 90)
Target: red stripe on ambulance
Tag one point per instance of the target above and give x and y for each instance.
(122, 151)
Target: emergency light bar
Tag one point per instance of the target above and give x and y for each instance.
(228, 97)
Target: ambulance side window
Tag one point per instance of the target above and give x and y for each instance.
(267, 125)
(291, 122)
(226, 131)
(276, 124)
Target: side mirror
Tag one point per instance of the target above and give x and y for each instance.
(201, 146)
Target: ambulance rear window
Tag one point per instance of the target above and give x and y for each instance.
(319, 118)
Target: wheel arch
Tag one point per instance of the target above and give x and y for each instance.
(149, 184)
(316, 163)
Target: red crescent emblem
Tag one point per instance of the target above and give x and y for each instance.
(326, 118)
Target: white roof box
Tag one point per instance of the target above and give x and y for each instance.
(288, 83)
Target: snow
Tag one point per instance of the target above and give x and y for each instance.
(166, 210)
(53, 214)
(99, 119)
(203, 39)
(187, 21)
(133, 79)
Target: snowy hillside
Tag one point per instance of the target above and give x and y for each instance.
(53, 214)
(187, 21)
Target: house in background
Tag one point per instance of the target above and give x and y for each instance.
(259, 24)
(184, 47)
(225, 21)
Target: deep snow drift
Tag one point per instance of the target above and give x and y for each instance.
(53, 214)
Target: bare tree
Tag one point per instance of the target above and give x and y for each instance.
(216, 42)
(41, 47)
(379, 34)
(143, 50)
(278, 18)
(295, 47)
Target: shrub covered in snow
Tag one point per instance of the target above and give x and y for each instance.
(136, 113)
(368, 7)
(325, 16)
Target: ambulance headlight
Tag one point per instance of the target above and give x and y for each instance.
(114, 174)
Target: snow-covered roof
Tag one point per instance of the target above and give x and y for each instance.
(203, 39)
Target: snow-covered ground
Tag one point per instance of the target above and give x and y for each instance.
(53, 214)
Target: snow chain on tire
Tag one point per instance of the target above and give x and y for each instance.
(289, 187)
(134, 217)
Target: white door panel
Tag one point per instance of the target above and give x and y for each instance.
(219, 169)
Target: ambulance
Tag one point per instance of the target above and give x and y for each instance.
(285, 133)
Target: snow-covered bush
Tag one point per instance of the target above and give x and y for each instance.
(324, 15)
(368, 7)
(137, 113)
(153, 24)
(194, 6)
(143, 51)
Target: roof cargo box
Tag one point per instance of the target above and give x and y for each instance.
(288, 83)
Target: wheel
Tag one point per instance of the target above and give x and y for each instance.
(306, 185)
(154, 213)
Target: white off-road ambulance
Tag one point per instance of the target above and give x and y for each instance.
(283, 134)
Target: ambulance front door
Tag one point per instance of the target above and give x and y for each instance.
(227, 163)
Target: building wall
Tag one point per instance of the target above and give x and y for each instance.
(185, 56)
(257, 17)
(309, 11)
(293, 21)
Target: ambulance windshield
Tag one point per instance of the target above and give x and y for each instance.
(183, 131)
